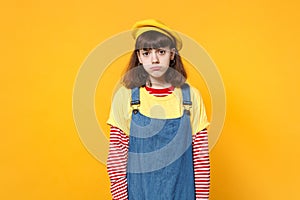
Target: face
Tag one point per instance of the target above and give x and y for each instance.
(156, 61)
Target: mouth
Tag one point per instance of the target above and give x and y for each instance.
(155, 68)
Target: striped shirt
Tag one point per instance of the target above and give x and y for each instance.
(118, 154)
(160, 92)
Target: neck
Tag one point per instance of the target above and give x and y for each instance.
(158, 83)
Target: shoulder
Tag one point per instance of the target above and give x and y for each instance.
(194, 91)
(195, 94)
(120, 109)
(121, 97)
(122, 92)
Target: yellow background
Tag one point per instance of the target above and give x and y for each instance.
(255, 45)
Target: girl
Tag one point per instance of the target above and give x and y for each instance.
(158, 135)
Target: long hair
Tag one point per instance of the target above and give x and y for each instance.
(135, 74)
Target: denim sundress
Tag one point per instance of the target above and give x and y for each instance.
(160, 159)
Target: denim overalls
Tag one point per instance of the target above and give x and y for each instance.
(160, 159)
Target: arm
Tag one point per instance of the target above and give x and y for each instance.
(201, 164)
(117, 163)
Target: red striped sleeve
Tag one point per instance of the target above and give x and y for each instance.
(117, 163)
(201, 164)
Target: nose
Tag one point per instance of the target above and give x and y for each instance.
(154, 58)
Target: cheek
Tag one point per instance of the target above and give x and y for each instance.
(146, 67)
(166, 61)
(145, 60)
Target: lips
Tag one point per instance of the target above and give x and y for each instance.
(155, 68)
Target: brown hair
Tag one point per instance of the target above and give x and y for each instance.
(136, 76)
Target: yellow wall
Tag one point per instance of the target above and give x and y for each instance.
(255, 46)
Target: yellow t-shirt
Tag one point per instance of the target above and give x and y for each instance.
(165, 107)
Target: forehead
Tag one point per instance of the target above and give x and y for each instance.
(153, 40)
(156, 49)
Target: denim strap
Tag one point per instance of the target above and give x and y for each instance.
(186, 97)
(135, 96)
(185, 88)
(135, 99)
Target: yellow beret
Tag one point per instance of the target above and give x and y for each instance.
(155, 25)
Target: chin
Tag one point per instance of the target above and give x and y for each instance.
(156, 75)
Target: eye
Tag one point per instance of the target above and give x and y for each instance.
(145, 53)
(161, 52)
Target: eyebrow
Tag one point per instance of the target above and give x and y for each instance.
(160, 48)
